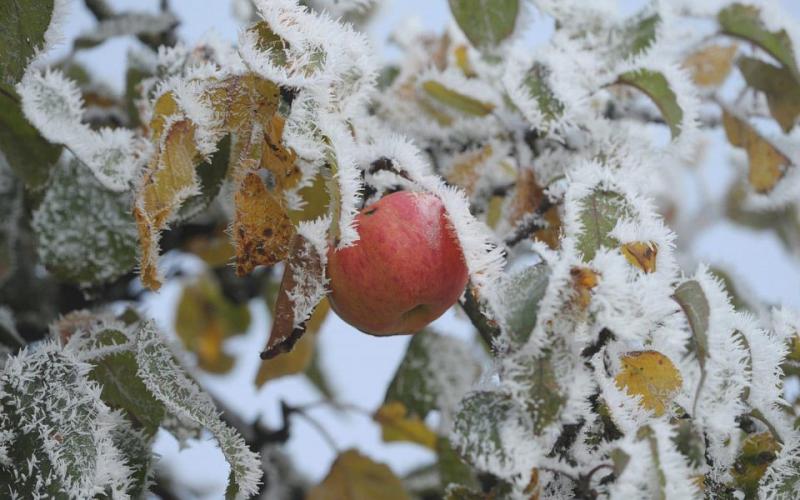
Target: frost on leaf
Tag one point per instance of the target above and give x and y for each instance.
(651, 376)
(600, 212)
(435, 372)
(169, 384)
(85, 233)
(656, 86)
(521, 295)
(767, 164)
(63, 441)
(22, 37)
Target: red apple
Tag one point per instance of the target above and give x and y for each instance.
(405, 271)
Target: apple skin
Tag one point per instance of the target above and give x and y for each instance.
(406, 269)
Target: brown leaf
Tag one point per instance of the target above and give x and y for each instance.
(767, 164)
(641, 254)
(711, 65)
(354, 476)
(262, 230)
(583, 281)
(278, 159)
(468, 168)
(286, 330)
(528, 197)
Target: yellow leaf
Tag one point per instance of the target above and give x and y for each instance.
(299, 358)
(397, 425)
(468, 168)
(461, 54)
(641, 254)
(204, 319)
(278, 159)
(710, 66)
(652, 376)
(317, 199)
(262, 231)
(583, 281)
(528, 197)
(456, 100)
(495, 211)
(767, 164)
(356, 477)
(170, 179)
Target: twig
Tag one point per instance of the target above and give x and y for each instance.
(529, 224)
(487, 328)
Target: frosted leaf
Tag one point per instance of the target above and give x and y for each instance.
(63, 441)
(435, 373)
(180, 395)
(53, 104)
(136, 449)
(85, 233)
(31, 30)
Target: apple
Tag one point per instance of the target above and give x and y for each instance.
(406, 269)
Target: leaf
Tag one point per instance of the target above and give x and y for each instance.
(767, 164)
(136, 449)
(397, 425)
(22, 36)
(486, 23)
(85, 233)
(433, 367)
(785, 222)
(125, 24)
(300, 357)
(62, 440)
(181, 396)
(302, 288)
(452, 470)
(744, 21)
(211, 175)
(485, 423)
(30, 156)
(690, 296)
(278, 159)
(262, 230)
(757, 453)
(638, 34)
(316, 198)
(461, 56)
(468, 167)
(116, 372)
(456, 100)
(543, 396)
(652, 376)
(655, 85)
(537, 83)
(354, 476)
(521, 295)
(204, 319)
(600, 211)
(778, 84)
(647, 434)
(710, 66)
(528, 199)
(689, 442)
(641, 254)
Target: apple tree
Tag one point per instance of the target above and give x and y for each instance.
(534, 164)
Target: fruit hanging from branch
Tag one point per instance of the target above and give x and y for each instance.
(406, 269)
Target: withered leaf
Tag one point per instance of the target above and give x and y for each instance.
(711, 65)
(397, 425)
(262, 230)
(767, 164)
(652, 376)
(641, 254)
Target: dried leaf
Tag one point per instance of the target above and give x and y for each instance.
(652, 376)
(778, 84)
(354, 476)
(397, 425)
(317, 199)
(583, 281)
(641, 254)
(456, 100)
(287, 328)
(767, 164)
(300, 357)
(278, 159)
(262, 230)
(528, 197)
(710, 66)
(758, 452)
(468, 167)
(461, 55)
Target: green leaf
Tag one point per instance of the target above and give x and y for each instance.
(522, 294)
(85, 233)
(21, 35)
(600, 211)
(181, 396)
(136, 448)
(30, 156)
(638, 34)
(689, 442)
(655, 85)
(433, 365)
(778, 84)
(485, 422)
(449, 97)
(116, 373)
(453, 470)
(536, 81)
(486, 23)
(543, 396)
(744, 21)
(133, 77)
(690, 296)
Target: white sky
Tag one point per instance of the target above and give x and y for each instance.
(361, 366)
